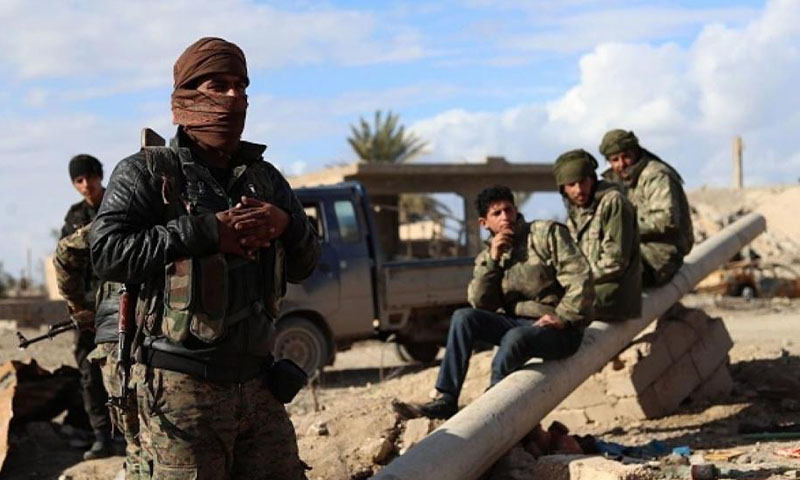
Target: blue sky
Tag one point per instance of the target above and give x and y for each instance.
(524, 79)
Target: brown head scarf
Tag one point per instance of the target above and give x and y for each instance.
(215, 122)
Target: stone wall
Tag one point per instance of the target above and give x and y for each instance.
(682, 355)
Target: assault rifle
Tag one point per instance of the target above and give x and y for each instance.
(127, 331)
(53, 331)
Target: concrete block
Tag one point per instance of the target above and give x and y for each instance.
(676, 383)
(605, 414)
(650, 358)
(697, 319)
(715, 387)
(584, 467)
(591, 392)
(651, 354)
(712, 349)
(644, 405)
(679, 336)
(572, 418)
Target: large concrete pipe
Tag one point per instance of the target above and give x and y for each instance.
(474, 439)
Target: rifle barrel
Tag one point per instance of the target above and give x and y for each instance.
(52, 332)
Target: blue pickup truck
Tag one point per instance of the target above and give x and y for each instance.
(355, 293)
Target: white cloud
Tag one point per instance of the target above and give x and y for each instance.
(462, 136)
(298, 167)
(685, 103)
(35, 185)
(577, 32)
(36, 97)
(135, 43)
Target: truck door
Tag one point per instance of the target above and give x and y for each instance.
(319, 292)
(356, 308)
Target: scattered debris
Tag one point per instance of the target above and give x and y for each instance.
(683, 451)
(378, 449)
(415, 430)
(704, 471)
(567, 467)
(723, 455)
(320, 429)
(751, 279)
(789, 452)
(517, 464)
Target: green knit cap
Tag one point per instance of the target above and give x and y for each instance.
(616, 141)
(574, 166)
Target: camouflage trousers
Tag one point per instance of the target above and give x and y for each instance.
(127, 422)
(198, 429)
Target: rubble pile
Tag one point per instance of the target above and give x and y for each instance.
(682, 355)
(31, 395)
(714, 208)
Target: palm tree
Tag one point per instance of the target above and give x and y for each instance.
(385, 141)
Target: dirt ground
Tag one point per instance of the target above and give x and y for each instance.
(353, 405)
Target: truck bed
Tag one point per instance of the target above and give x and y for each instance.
(425, 283)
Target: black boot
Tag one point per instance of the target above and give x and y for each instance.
(441, 408)
(101, 448)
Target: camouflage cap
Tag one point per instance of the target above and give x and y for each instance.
(616, 141)
(574, 166)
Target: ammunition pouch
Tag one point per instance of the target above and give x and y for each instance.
(285, 379)
(195, 298)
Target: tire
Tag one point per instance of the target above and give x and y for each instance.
(301, 341)
(417, 352)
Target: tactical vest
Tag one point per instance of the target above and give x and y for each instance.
(203, 297)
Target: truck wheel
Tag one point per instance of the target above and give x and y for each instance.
(418, 352)
(301, 341)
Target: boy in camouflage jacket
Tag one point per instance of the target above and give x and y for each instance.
(78, 286)
(531, 294)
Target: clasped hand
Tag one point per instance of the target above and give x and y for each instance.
(251, 224)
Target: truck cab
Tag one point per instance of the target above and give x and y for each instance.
(356, 293)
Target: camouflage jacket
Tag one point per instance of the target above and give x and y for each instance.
(607, 234)
(665, 223)
(74, 270)
(81, 288)
(545, 272)
(76, 281)
(78, 215)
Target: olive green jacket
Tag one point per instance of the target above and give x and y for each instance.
(544, 272)
(665, 222)
(608, 236)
